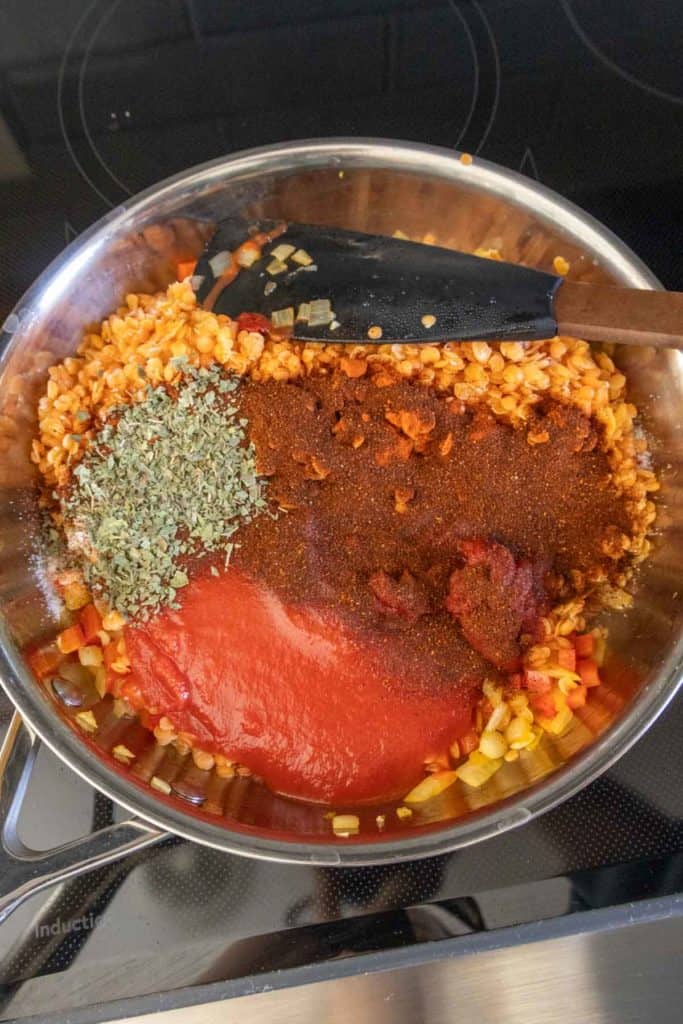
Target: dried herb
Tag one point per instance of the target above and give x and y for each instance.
(168, 478)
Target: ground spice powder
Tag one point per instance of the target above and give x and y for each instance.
(378, 487)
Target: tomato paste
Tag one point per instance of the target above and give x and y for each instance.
(291, 692)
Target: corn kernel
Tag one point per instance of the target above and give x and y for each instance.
(536, 739)
(493, 745)
(518, 733)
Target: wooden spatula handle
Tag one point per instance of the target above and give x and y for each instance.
(632, 316)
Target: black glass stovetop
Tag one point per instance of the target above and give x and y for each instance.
(100, 98)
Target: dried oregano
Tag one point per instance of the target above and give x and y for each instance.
(167, 478)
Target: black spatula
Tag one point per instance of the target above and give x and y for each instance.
(377, 288)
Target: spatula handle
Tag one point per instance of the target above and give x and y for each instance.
(631, 316)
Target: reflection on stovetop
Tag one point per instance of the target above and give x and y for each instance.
(182, 914)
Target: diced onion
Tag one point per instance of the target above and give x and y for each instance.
(270, 288)
(345, 824)
(197, 280)
(303, 312)
(557, 725)
(247, 257)
(473, 775)
(302, 258)
(122, 753)
(282, 252)
(91, 655)
(477, 770)
(320, 313)
(276, 267)
(87, 721)
(283, 317)
(499, 719)
(430, 787)
(220, 262)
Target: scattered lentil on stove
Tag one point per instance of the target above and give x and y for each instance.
(165, 480)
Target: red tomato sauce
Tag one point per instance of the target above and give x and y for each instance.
(306, 703)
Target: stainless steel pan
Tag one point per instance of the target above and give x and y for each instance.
(374, 186)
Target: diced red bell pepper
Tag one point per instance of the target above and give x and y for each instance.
(576, 698)
(566, 658)
(185, 268)
(543, 704)
(254, 322)
(90, 622)
(71, 639)
(44, 661)
(537, 682)
(588, 670)
(113, 678)
(584, 645)
(110, 655)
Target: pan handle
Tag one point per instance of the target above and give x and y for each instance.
(25, 872)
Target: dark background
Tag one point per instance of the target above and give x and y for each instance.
(105, 97)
